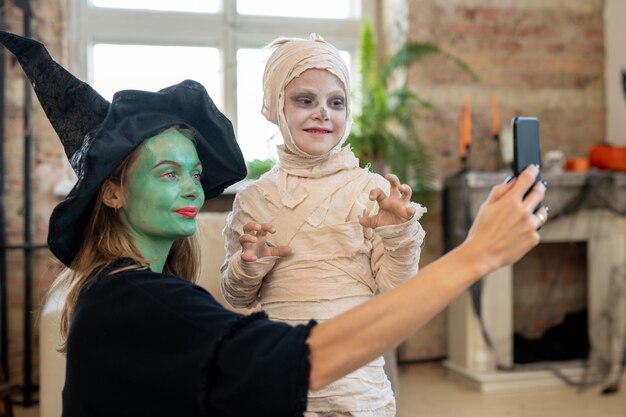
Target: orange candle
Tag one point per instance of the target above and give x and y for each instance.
(495, 116)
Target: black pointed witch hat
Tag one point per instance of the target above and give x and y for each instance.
(72, 106)
(98, 135)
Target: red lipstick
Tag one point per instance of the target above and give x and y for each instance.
(189, 212)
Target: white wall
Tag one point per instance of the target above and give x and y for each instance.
(615, 44)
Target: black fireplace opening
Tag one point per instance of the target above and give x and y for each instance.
(550, 315)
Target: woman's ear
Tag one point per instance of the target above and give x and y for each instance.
(112, 195)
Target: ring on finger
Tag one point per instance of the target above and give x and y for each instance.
(541, 217)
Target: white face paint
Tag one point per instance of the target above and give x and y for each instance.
(315, 111)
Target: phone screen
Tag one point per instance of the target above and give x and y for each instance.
(526, 148)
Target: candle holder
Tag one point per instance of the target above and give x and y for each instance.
(497, 152)
(465, 160)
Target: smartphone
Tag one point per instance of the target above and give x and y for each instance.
(526, 150)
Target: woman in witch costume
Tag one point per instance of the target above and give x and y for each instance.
(142, 339)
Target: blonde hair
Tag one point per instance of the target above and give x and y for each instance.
(107, 240)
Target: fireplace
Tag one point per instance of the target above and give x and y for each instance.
(550, 315)
(587, 210)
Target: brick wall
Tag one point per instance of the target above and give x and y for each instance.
(542, 58)
(47, 164)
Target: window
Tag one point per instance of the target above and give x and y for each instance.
(151, 44)
(199, 6)
(142, 67)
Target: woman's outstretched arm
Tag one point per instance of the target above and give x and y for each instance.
(503, 231)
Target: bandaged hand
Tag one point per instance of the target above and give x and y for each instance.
(393, 209)
(254, 243)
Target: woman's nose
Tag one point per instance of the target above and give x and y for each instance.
(189, 187)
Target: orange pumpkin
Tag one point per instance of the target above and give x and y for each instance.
(577, 165)
(612, 158)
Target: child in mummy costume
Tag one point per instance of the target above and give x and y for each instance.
(332, 243)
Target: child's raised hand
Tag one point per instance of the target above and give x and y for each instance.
(254, 244)
(393, 209)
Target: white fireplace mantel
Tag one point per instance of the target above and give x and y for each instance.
(470, 359)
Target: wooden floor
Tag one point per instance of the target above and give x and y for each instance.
(425, 391)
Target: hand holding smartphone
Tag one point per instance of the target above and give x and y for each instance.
(526, 150)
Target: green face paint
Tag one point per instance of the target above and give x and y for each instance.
(163, 194)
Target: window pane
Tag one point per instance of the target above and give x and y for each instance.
(257, 137)
(151, 68)
(324, 9)
(198, 6)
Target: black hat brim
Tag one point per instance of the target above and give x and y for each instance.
(133, 117)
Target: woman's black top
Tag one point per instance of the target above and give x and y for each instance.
(148, 344)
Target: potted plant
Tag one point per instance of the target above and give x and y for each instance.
(384, 134)
(258, 167)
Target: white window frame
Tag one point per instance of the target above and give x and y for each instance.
(226, 30)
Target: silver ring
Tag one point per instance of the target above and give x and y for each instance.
(541, 217)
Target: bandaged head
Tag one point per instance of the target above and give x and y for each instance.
(290, 58)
